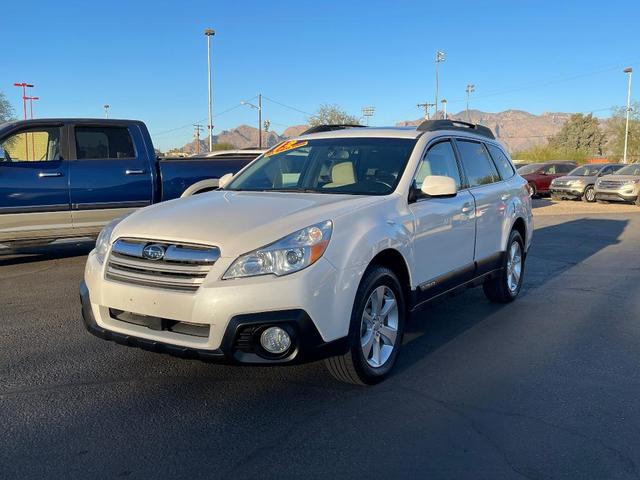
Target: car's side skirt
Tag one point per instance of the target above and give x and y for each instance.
(454, 282)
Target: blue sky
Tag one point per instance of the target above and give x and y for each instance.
(147, 59)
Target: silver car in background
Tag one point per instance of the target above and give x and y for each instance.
(580, 182)
(624, 186)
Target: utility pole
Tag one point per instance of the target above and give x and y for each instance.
(259, 121)
(470, 89)
(444, 108)
(629, 72)
(33, 146)
(367, 113)
(106, 110)
(426, 107)
(259, 108)
(439, 59)
(196, 135)
(209, 32)
(24, 86)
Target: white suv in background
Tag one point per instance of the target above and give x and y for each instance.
(320, 248)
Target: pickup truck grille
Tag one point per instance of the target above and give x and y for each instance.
(159, 264)
(610, 184)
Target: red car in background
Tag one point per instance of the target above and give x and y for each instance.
(540, 175)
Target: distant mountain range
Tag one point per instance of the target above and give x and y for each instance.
(517, 129)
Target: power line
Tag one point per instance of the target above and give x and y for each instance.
(287, 106)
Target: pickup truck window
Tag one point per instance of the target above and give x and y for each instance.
(33, 145)
(477, 164)
(439, 160)
(355, 166)
(100, 143)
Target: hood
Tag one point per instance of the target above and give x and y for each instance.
(620, 178)
(567, 178)
(237, 222)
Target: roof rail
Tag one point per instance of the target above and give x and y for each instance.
(330, 128)
(433, 125)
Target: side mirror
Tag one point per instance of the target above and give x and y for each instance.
(224, 180)
(439, 186)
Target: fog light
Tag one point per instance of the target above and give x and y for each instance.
(275, 340)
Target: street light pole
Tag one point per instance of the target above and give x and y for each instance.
(259, 108)
(629, 72)
(209, 32)
(24, 86)
(33, 145)
(106, 110)
(439, 58)
(444, 107)
(470, 88)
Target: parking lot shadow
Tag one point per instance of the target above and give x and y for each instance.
(552, 253)
(47, 252)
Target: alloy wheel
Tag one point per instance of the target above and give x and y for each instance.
(379, 326)
(514, 267)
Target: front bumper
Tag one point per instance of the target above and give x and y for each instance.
(566, 192)
(240, 341)
(615, 196)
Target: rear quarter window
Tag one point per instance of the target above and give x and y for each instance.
(477, 165)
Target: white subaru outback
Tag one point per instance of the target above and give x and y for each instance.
(320, 248)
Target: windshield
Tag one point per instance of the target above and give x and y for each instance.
(586, 171)
(356, 166)
(633, 169)
(530, 168)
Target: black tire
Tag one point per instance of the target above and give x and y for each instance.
(534, 190)
(497, 289)
(637, 202)
(589, 194)
(352, 367)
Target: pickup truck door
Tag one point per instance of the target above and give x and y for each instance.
(34, 175)
(110, 173)
(444, 228)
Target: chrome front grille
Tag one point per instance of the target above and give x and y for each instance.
(159, 264)
(610, 184)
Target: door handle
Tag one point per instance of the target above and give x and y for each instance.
(49, 174)
(134, 172)
(467, 208)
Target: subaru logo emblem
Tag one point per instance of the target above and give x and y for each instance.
(153, 252)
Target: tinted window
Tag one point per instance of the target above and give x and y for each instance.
(476, 163)
(564, 167)
(528, 169)
(550, 169)
(103, 143)
(439, 160)
(505, 168)
(35, 145)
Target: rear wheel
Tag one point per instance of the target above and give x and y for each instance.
(506, 286)
(533, 189)
(376, 329)
(589, 194)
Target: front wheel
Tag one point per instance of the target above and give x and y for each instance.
(506, 286)
(589, 194)
(533, 189)
(376, 329)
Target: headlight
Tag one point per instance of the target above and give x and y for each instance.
(290, 254)
(102, 244)
(576, 183)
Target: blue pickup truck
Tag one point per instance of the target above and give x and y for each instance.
(62, 178)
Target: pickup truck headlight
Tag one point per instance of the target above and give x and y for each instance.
(289, 254)
(102, 244)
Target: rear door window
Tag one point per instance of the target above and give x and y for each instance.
(101, 143)
(477, 165)
(502, 162)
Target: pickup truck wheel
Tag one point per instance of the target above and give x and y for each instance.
(506, 286)
(589, 194)
(376, 329)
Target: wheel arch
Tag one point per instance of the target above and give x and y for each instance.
(395, 261)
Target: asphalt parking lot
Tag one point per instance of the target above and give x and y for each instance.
(546, 387)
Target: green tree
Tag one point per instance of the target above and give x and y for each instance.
(546, 153)
(6, 110)
(580, 133)
(616, 129)
(223, 146)
(331, 115)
